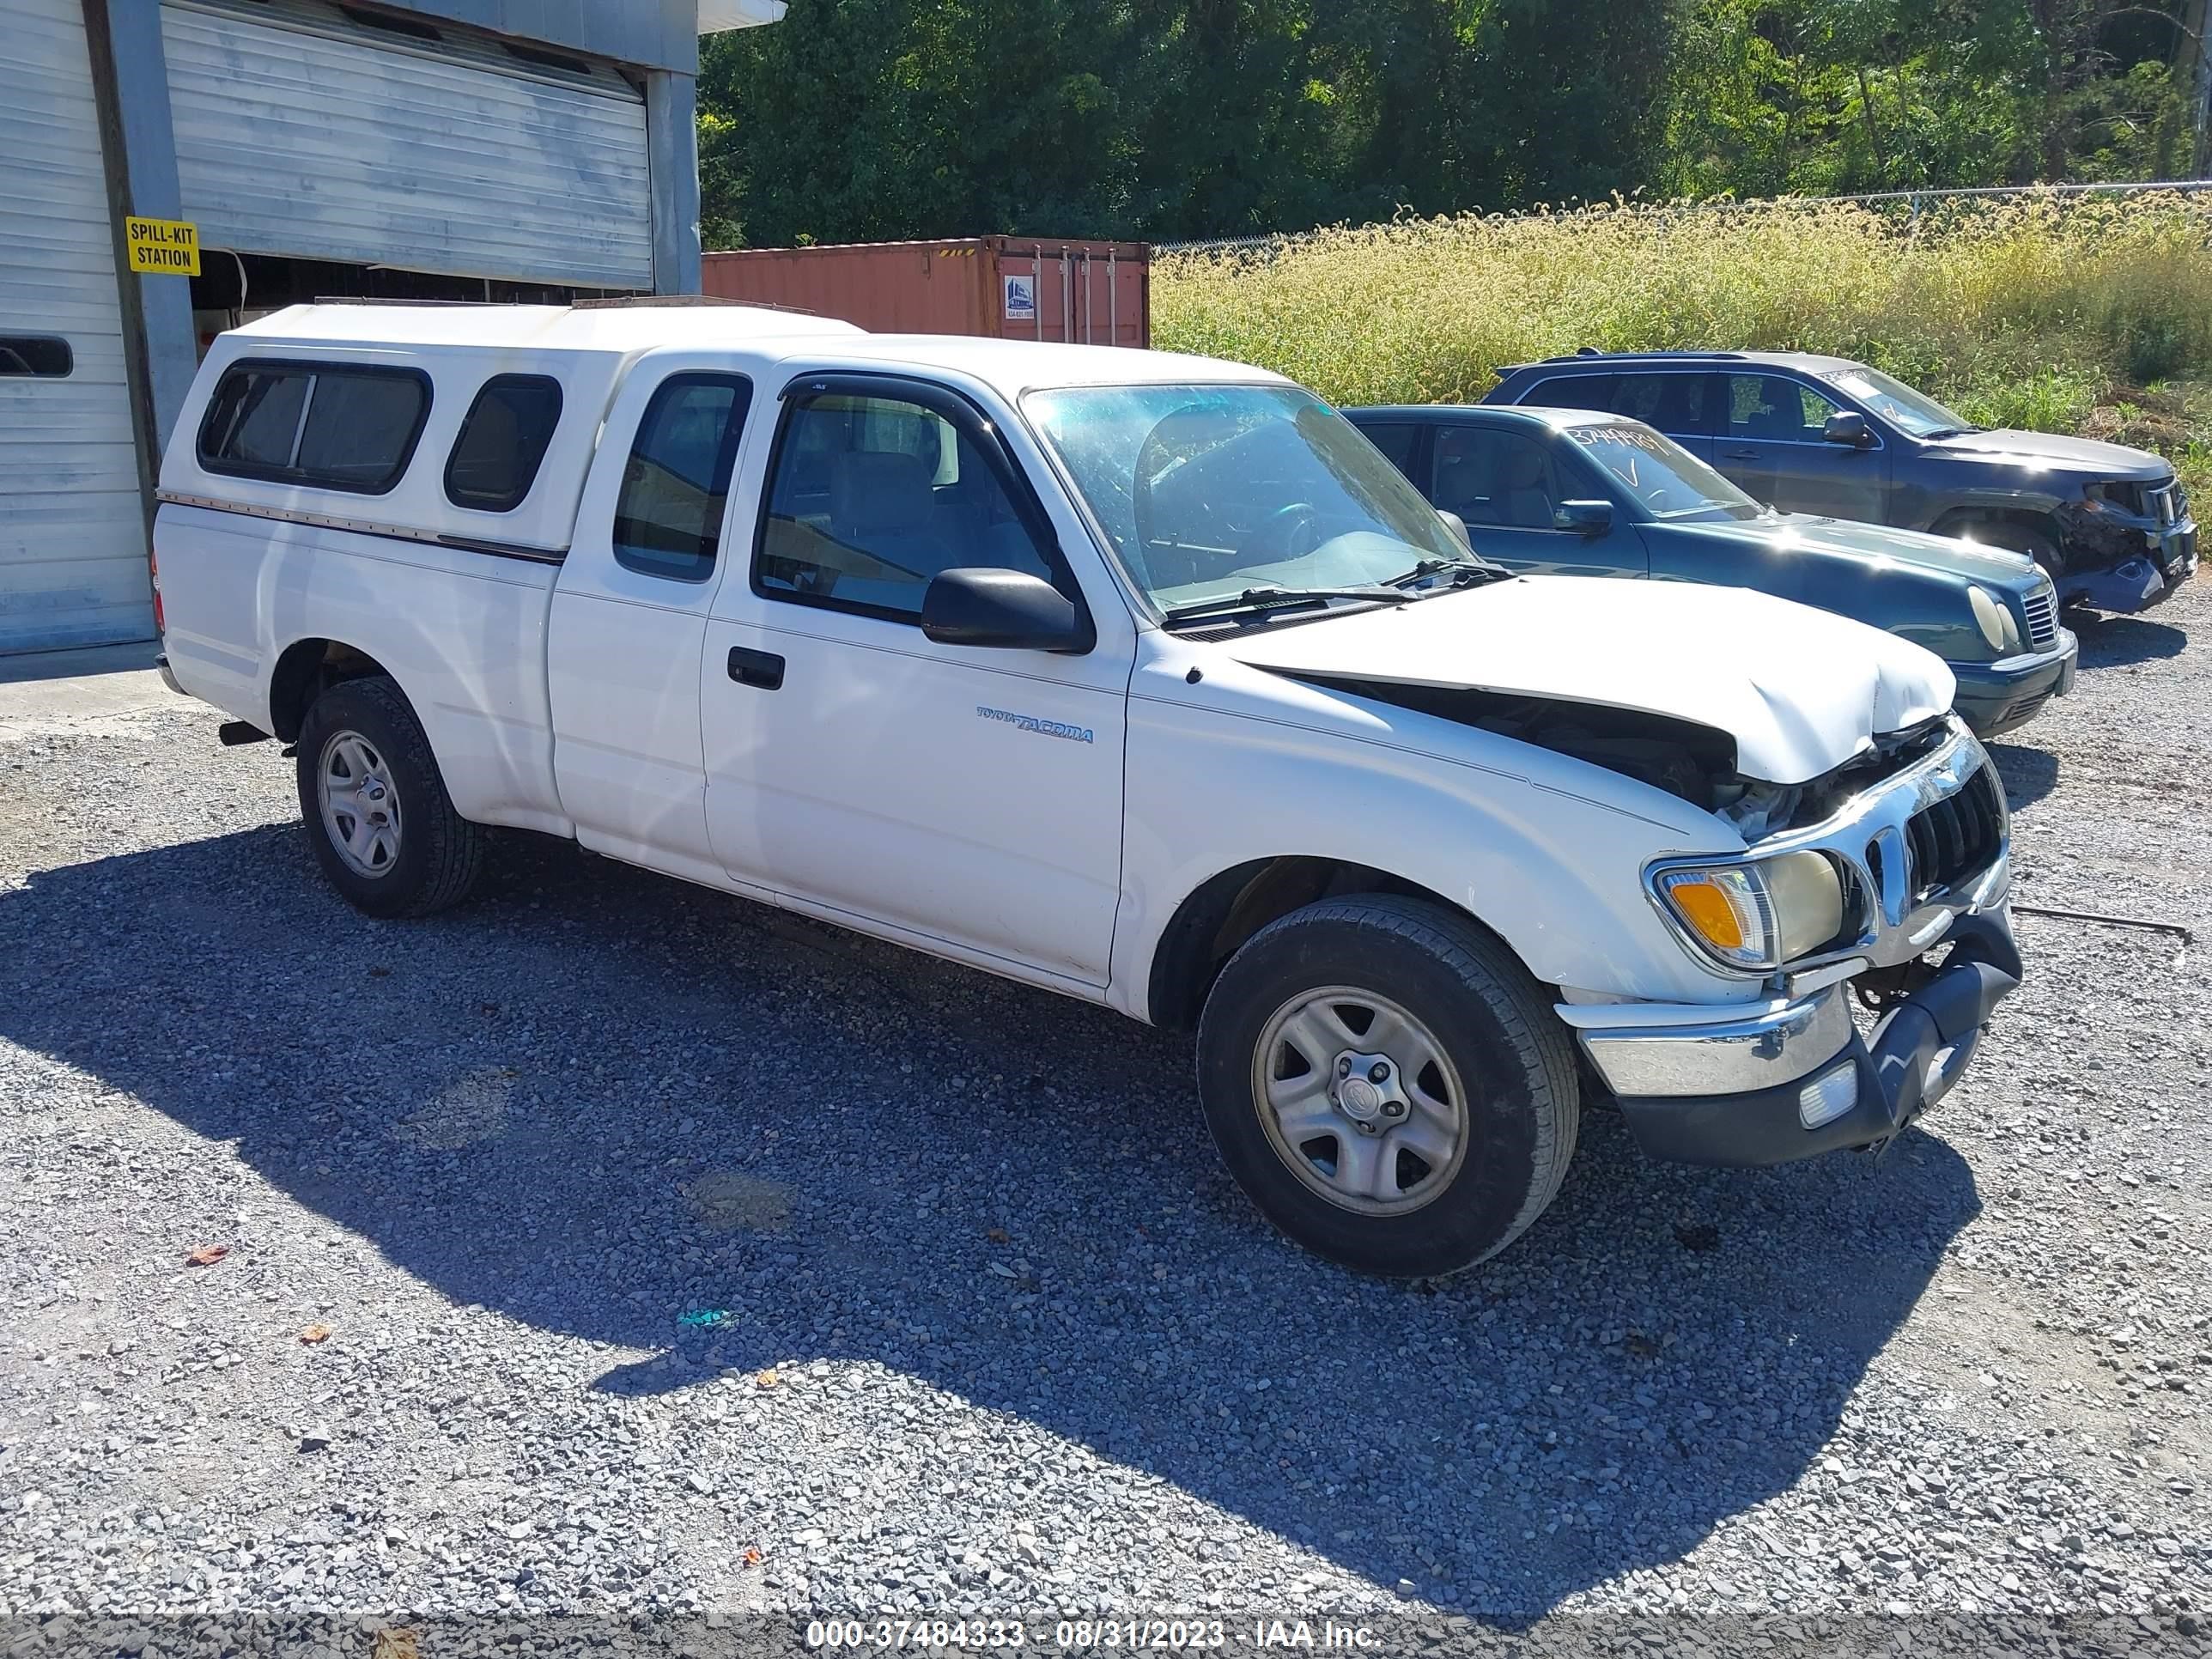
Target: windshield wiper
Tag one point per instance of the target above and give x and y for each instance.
(1463, 573)
(1258, 601)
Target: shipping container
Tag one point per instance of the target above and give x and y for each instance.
(1019, 288)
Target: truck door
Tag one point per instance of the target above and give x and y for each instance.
(950, 794)
(629, 616)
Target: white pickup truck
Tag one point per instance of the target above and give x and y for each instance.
(1140, 678)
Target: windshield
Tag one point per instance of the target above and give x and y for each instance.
(1912, 412)
(1206, 491)
(1668, 481)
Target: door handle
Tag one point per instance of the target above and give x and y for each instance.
(1741, 454)
(762, 668)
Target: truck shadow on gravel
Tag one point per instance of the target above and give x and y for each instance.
(596, 1102)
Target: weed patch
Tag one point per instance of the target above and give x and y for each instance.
(2040, 312)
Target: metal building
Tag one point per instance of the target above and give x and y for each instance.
(507, 149)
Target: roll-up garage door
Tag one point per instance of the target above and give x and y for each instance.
(72, 527)
(300, 133)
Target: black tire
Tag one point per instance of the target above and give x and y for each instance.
(1486, 1016)
(438, 851)
(2018, 539)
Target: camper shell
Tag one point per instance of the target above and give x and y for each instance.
(458, 349)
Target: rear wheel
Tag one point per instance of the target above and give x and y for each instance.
(1388, 1084)
(378, 815)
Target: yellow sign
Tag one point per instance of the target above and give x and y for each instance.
(164, 247)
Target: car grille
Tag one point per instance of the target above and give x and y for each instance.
(2166, 501)
(2043, 617)
(1957, 836)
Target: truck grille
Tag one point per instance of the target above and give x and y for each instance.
(1957, 836)
(2043, 617)
(2165, 501)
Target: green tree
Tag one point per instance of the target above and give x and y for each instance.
(1821, 96)
(876, 119)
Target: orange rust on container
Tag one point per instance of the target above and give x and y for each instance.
(1017, 288)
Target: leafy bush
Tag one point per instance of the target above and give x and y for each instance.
(2020, 312)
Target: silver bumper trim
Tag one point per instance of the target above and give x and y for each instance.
(1645, 1048)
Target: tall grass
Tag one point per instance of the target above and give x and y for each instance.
(2019, 311)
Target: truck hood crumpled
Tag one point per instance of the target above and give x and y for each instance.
(1800, 690)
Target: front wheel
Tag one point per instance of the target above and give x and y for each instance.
(2038, 546)
(377, 813)
(1388, 1084)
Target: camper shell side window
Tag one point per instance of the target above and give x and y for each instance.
(330, 425)
(502, 442)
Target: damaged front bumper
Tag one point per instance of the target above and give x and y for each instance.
(1794, 1078)
(2122, 563)
(1927, 854)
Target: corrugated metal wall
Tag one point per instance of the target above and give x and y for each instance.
(332, 142)
(72, 529)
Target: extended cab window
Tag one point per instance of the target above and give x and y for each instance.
(668, 518)
(872, 497)
(320, 424)
(502, 442)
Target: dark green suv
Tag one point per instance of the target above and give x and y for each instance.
(1827, 436)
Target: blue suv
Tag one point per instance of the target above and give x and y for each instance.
(1827, 436)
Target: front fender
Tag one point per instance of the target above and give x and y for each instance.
(1921, 507)
(1545, 851)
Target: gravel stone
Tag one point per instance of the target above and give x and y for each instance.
(686, 1261)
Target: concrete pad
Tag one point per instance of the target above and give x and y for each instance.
(86, 662)
(54, 690)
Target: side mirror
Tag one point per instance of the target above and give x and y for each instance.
(1849, 428)
(1004, 610)
(1457, 525)
(1585, 518)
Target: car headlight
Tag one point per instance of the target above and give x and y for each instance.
(1994, 621)
(1761, 914)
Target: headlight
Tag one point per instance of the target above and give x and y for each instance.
(1759, 915)
(1994, 621)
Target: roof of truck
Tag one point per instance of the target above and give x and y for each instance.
(1013, 367)
(1008, 366)
(587, 327)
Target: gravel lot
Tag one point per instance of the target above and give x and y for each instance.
(679, 1257)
